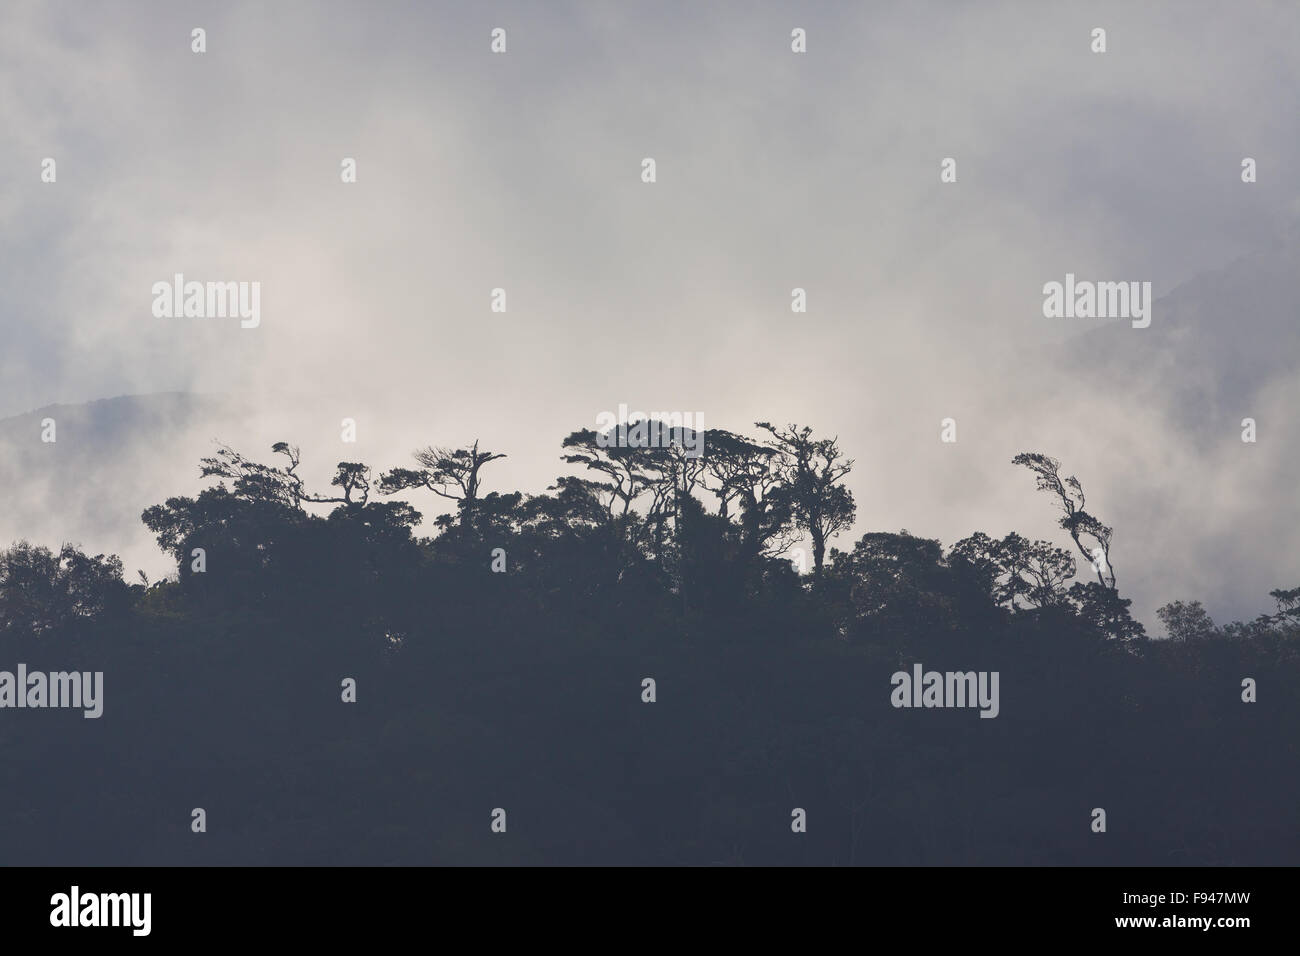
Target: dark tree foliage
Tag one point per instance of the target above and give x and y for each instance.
(500, 663)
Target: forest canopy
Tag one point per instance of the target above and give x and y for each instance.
(503, 661)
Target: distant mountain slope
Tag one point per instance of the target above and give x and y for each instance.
(111, 459)
(1199, 512)
(1215, 343)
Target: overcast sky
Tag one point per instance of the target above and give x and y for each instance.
(775, 170)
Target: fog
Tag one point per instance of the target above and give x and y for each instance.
(775, 171)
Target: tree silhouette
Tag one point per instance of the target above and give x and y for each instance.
(1020, 574)
(451, 473)
(822, 506)
(506, 649)
(756, 477)
(1075, 520)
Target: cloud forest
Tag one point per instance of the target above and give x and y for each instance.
(661, 658)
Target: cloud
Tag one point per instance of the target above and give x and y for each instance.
(776, 171)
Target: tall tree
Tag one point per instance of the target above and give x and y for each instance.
(822, 506)
(1019, 574)
(754, 477)
(1075, 520)
(631, 470)
(451, 473)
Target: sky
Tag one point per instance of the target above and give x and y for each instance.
(775, 170)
